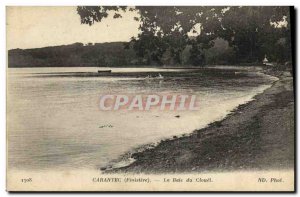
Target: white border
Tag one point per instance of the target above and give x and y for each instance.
(147, 2)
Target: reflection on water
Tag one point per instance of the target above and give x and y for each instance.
(54, 121)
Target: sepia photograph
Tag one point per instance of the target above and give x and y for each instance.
(150, 98)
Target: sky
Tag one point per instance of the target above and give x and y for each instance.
(35, 27)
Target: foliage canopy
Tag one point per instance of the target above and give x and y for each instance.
(252, 32)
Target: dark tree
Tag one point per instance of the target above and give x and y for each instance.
(252, 32)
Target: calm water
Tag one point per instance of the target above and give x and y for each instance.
(54, 121)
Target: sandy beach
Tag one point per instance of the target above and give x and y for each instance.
(258, 135)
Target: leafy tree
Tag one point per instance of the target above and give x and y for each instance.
(252, 32)
(247, 29)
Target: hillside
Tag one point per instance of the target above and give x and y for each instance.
(99, 54)
(112, 54)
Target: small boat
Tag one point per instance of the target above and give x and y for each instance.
(104, 71)
(157, 77)
(160, 76)
(148, 77)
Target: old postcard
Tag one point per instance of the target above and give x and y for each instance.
(150, 98)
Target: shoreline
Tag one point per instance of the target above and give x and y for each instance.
(251, 137)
